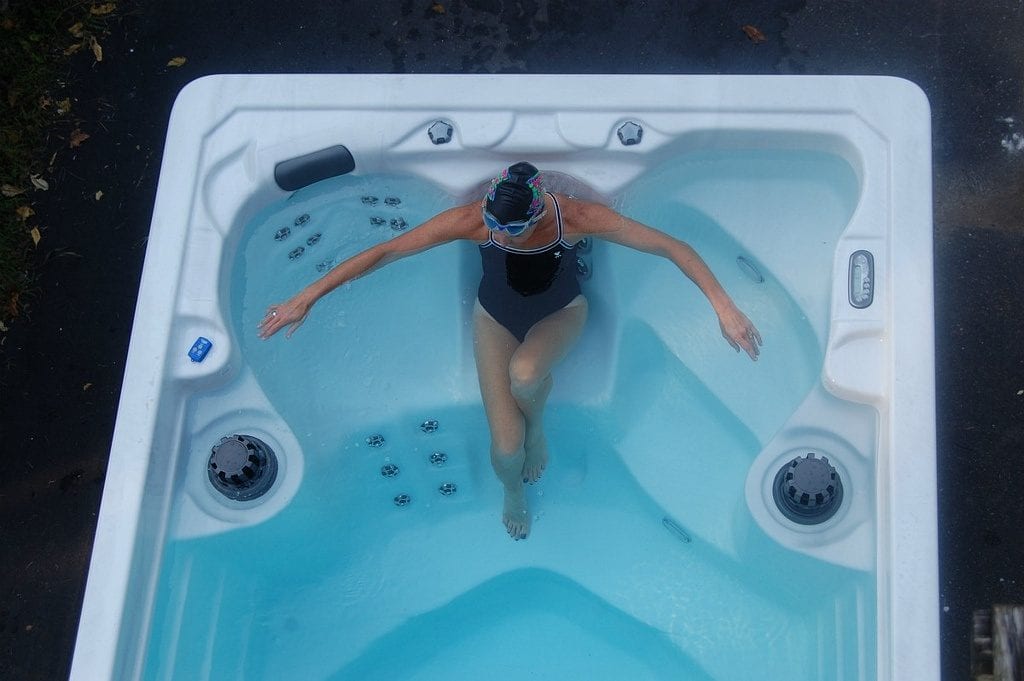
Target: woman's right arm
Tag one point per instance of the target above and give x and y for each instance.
(462, 222)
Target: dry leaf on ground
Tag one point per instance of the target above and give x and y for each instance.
(36, 236)
(438, 8)
(3, 327)
(63, 106)
(77, 30)
(177, 61)
(754, 33)
(105, 8)
(71, 49)
(9, 190)
(99, 195)
(39, 183)
(97, 49)
(24, 212)
(86, 387)
(77, 137)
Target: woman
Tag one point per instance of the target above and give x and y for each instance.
(529, 309)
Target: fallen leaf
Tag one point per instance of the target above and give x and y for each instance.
(63, 106)
(105, 8)
(12, 304)
(77, 137)
(45, 102)
(76, 30)
(754, 33)
(52, 159)
(438, 8)
(99, 195)
(24, 212)
(86, 387)
(97, 49)
(9, 191)
(36, 236)
(177, 61)
(3, 327)
(39, 183)
(71, 49)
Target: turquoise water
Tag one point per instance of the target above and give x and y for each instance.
(654, 417)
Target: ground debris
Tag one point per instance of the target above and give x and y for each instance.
(77, 137)
(12, 304)
(105, 8)
(753, 33)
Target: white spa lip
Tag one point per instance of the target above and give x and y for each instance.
(568, 121)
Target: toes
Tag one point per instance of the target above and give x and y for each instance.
(533, 475)
(516, 530)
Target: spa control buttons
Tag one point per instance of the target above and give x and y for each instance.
(862, 279)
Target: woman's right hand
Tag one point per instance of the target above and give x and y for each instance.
(290, 313)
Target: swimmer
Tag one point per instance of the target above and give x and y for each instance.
(529, 309)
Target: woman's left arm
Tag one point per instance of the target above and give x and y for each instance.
(592, 219)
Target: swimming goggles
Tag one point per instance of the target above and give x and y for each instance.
(514, 228)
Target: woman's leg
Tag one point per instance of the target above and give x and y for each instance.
(515, 380)
(546, 344)
(493, 347)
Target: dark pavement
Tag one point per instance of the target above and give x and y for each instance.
(61, 364)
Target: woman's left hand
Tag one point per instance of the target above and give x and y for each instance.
(740, 332)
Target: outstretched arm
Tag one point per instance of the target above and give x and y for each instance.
(603, 222)
(462, 222)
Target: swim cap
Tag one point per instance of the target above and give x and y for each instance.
(516, 194)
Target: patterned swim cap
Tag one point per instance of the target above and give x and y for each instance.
(516, 194)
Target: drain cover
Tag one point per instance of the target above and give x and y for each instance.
(808, 490)
(242, 467)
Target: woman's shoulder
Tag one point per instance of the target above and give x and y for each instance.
(464, 222)
(574, 207)
(580, 218)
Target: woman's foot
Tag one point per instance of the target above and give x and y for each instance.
(516, 515)
(536, 455)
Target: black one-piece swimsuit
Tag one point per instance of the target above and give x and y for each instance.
(522, 286)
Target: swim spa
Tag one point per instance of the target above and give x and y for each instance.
(671, 535)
